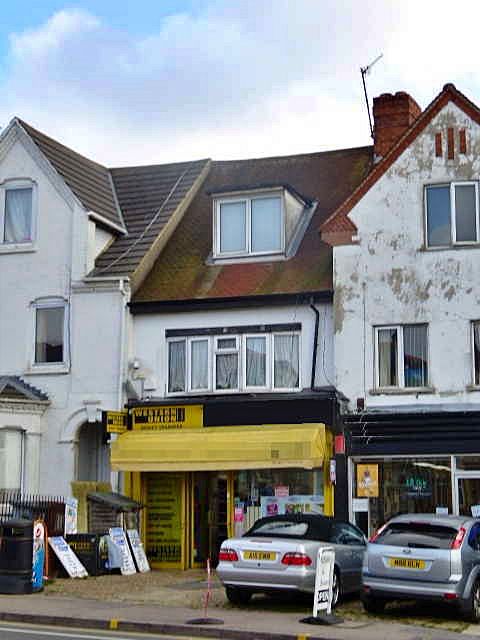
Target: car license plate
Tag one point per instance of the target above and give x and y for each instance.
(406, 563)
(269, 556)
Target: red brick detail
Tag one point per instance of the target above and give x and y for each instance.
(392, 116)
(450, 144)
(449, 94)
(462, 135)
(438, 145)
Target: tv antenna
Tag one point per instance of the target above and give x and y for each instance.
(365, 71)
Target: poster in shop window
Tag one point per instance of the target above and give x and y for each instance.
(367, 480)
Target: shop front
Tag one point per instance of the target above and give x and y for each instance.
(201, 484)
(398, 464)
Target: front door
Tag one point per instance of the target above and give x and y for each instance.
(210, 514)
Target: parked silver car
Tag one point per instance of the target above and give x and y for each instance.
(279, 553)
(424, 556)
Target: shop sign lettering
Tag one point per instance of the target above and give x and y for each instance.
(167, 417)
(417, 486)
(115, 421)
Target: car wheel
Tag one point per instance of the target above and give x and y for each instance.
(336, 587)
(238, 596)
(471, 606)
(372, 604)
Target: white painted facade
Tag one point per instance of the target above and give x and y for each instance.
(389, 276)
(149, 342)
(54, 266)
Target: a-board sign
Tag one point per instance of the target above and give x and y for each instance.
(323, 597)
(138, 551)
(69, 560)
(115, 421)
(38, 563)
(119, 539)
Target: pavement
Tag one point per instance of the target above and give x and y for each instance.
(233, 623)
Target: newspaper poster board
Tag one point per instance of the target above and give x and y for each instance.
(138, 551)
(323, 597)
(69, 560)
(119, 539)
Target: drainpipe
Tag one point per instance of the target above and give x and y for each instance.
(125, 293)
(315, 343)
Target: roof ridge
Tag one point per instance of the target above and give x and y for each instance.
(295, 155)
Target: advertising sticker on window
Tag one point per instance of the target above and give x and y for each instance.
(367, 480)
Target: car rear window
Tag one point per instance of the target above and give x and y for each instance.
(281, 528)
(293, 526)
(417, 535)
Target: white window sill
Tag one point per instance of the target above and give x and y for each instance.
(451, 247)
(17, 248)
(401, 391)
(473, 387)
(51, 369)
(222, 392)
(249, 257)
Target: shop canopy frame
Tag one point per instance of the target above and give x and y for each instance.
(221, 448)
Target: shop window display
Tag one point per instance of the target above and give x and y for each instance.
(407, 486)
(269, 492)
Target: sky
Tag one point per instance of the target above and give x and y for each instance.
(150, 81)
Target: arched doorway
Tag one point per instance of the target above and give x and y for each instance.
(93, 454)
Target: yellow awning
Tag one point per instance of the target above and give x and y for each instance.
(221, 448)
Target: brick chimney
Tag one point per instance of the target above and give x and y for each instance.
(392, 116)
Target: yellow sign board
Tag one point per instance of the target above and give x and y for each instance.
(115, 421)
(367, 480)
(167, 417)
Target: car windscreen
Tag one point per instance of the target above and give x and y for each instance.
(421, 535)
(295, 527)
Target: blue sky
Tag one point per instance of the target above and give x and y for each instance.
(132, 82)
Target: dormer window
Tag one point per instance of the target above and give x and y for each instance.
(249, 226)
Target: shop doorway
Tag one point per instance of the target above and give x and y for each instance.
(188, 516)
(469, 496)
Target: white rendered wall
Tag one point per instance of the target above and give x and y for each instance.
(389, 277)
(59, 259)
(149, 343)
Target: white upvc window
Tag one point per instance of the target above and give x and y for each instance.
(401, 356)
(249, 226)
(227, 363)
(452, 214)
(17, 214)
(233, 363)
(11, 458)
(51, 333)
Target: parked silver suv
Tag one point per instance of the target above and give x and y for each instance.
(424, 556)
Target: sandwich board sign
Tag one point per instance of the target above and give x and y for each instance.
(138, 551)
(119, 539)
(324, 581)
(69, 560)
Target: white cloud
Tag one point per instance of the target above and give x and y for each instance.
(258, 77)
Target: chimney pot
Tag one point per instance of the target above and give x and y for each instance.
(392, 116)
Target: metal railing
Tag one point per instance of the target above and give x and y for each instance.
(15, 504)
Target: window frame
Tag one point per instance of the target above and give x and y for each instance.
(22, 435)
(241, 350)
(247, 199)
(13, 184)
(475, 383)
(54, 367)
(453, 228)
(399, 328)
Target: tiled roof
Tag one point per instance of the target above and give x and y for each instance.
(148, 196)
(88, 180)
(182, 271)
(338, 225)
(13, 387)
